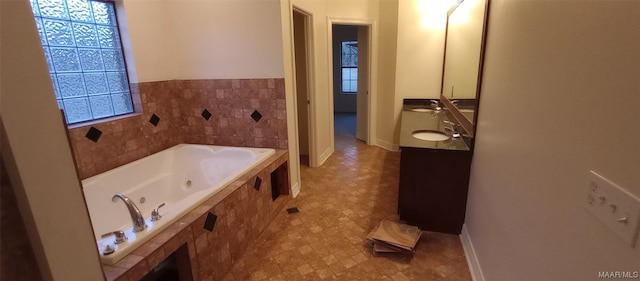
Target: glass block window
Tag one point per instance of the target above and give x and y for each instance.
(349, 64)
(82, 46)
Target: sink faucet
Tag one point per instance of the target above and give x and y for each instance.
(435, 104)
(453, 128)
(136, 216)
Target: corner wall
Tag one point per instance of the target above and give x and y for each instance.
(18, 261)
(559, 98)
(37, 155)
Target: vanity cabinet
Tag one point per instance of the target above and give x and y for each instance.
(434, 174)
(433, 188)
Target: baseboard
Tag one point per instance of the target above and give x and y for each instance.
(323, 157)
(470, 253)
(386, 145)
(295, 190)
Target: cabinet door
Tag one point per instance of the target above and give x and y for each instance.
(433, 188)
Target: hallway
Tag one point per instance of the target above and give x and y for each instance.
(345, 131)
(340, 202)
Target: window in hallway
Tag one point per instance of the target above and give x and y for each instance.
(349, 64)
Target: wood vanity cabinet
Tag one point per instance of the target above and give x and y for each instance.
(433, 188)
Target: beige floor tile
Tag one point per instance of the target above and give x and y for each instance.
(340, 202)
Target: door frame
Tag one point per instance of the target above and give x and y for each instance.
(310, 73)
(372, 73)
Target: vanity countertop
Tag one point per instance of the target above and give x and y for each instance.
(409, 104)
(430, 120)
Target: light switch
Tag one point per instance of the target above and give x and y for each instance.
(614, 206)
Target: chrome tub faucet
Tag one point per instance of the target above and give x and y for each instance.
(136, 216)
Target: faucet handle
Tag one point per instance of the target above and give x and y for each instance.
(453, 124)
(435, 104)
(155, 213)
(120, 237)
(453, 128)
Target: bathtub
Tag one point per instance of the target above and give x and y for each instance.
(181, 177)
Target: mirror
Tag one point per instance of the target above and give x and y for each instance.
(464, 52)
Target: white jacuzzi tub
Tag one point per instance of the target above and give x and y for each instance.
(182, 177)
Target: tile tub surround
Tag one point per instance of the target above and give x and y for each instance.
(179, 106)
(242, 211)
(128, 139)
(231, 104)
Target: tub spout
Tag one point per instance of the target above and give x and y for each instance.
(136, 216)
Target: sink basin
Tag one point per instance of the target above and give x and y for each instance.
(430, 135)
(421, 109)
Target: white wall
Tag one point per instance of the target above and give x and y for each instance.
(420, 52)
(386, 125)
(146, 27)
(38, 157)
(226, 39)
(207, 39)
(559, 98)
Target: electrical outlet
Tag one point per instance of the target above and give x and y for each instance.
(617, 208)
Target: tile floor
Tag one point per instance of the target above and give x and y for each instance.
(339, 204)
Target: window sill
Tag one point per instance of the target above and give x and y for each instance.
(103, 120)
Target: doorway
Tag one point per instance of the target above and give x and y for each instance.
(301, 53)
(350, 49)
(314, 111)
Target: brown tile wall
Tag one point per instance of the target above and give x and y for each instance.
(231, 103)
(242, 214)
(128, 139)
(179, 105)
